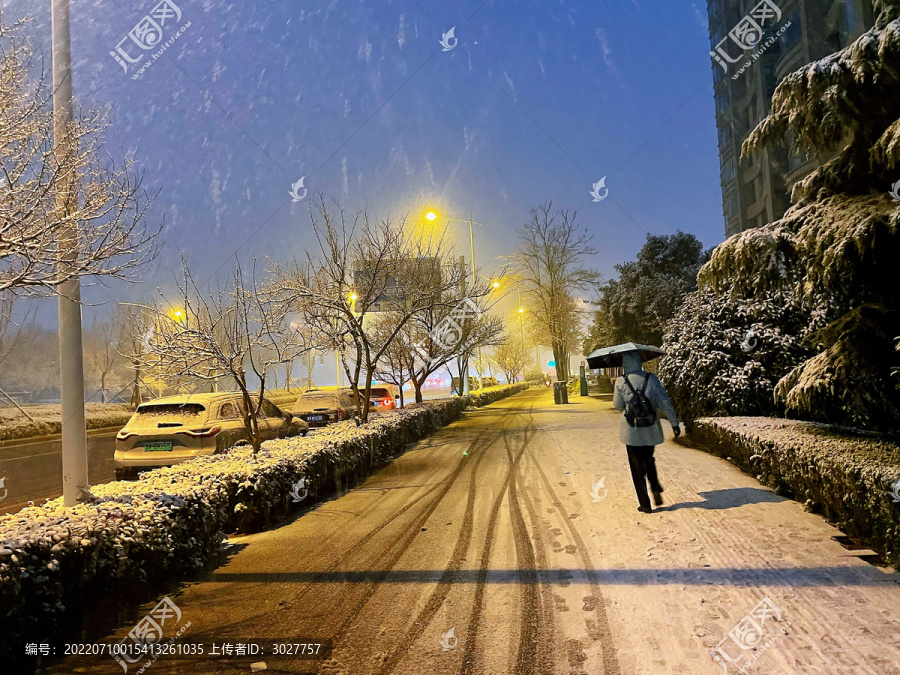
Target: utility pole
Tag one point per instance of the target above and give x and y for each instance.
(71, 355)
(472, 251)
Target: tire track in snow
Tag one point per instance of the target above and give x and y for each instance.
(463, 542)
(472, 653)
(531, 654)
(390, 554)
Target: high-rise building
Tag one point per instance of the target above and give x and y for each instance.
(754, 44)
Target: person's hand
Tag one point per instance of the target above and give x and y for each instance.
(677, 430)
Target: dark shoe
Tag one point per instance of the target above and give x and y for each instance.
(657, 498)
(645, 509)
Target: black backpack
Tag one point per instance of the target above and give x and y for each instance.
(639, 411)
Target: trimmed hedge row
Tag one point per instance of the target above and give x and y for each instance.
(47, 421)
(843, 474)
(173, 520)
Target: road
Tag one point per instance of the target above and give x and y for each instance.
(497, 528)
(33, 466)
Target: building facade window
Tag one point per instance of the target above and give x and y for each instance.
(769, 80)
(731, 206)
(792, 34)
(722, 102)
(728, 169)
(725, 137)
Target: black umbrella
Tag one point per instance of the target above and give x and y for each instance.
(611, 357)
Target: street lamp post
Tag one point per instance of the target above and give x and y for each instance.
(432, 216)
(71, 356)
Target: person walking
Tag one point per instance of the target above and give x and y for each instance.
(641, 397)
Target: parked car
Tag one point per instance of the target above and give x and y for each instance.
(473, 385)
(383, 397)
(319, 407)
(170, 430)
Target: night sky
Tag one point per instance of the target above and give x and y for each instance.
(537, 101)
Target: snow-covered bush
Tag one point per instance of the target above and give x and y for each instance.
(844, 474)
(724, 357)
(45, 419)
(54, 560)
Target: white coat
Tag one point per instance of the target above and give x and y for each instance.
(653, 434)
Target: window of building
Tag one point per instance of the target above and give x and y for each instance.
(717, 37)
(791, 36)
(725, 136)
(722, 103)
(731, 206)
(728, 169)
(769, 80)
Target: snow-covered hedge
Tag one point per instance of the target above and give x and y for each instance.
(844, 474)
(45, 419)
(54, 560)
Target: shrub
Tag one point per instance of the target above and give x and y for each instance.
(46, 419)
(724, 356)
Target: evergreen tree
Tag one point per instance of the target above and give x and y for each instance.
(637, 306)
(834, 253)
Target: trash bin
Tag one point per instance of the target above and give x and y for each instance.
(560, 392)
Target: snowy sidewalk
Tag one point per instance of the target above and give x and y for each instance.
(681, 580)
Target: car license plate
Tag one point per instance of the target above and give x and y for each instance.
(158, 446)
(314, 418)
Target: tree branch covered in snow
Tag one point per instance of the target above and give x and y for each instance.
(67, 204)
(848, 100)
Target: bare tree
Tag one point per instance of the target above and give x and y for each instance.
(511, 357)
(548, 263)
(32, 362)
(107, 346)
(102, 352)
(46, 195)
(229, 332)
(12, 333)
(13, 329)
(363, 266)
(398, 360)
(448, 329)
(484, 331)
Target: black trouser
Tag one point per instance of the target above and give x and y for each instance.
(643, 470)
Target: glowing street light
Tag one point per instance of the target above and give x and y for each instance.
(521, 310)
(354, 297)
(496, 284)
(431, 216)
